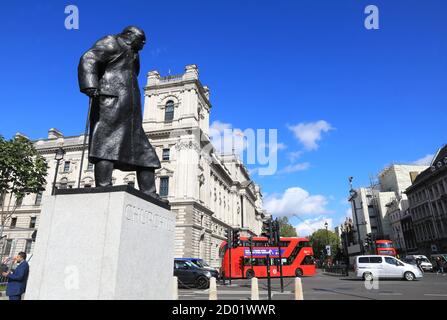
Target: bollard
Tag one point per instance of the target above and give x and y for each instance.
(174, 288)
(213, 289)
(298, 289)
(254, 289)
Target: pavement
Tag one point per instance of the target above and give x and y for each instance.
(331, 287)
(328, 287)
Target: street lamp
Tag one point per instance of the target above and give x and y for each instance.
(353, 195)
(327, 238)
(58, 157)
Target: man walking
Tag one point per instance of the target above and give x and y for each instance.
(17, 279)
(440, 265)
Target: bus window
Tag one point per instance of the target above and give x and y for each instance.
(304, 244)
(276, 261)
(308, 260)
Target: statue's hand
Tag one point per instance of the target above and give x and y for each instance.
(92, 92)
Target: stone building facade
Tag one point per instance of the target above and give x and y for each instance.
(428, 206)
(209, 192)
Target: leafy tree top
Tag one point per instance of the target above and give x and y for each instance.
(22, 169)
(322, 237)
(286, 229)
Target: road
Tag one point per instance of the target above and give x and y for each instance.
(330, 287)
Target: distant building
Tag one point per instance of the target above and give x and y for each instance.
(396, 179)
(378, 210)
(209, 192)
(428, 206)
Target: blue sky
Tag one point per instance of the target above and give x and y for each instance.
(374, 96)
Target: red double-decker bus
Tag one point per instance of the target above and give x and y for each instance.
(385, 247)
(296, 255)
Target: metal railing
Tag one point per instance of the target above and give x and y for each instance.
(3, 282)
(5, 265)
(337, 270)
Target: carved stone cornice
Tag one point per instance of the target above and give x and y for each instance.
(182, 145)
(176, 84)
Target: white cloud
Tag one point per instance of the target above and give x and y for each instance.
(310, 133)
(295, 201)
(295, 167)
(425, 161)
(348, 213)
(309, 226)
(273, 146)
(224, 138)
(295, 155)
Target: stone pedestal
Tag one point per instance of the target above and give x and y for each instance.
(103, 243)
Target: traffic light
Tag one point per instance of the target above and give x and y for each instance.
(267, 229)
(236, 238)
(229, 237)
(368, 240)
(276, 231)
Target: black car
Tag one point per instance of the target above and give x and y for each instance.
(189, 274)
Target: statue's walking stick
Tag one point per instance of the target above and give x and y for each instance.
(85, 139)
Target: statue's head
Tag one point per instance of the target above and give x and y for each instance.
(134, 36)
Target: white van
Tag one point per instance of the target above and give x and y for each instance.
(374, 266)
(426, 265)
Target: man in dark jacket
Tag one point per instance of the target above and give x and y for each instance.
(108, 73)
(17, 279)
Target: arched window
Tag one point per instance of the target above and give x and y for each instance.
(169, 111)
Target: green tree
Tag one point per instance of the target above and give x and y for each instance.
(322, 237)
(285, 228)
(22, 172)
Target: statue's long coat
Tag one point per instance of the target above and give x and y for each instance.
(116, 131)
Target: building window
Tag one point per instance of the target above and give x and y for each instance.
(165, 154)
(164, 186)
(38, 198)
(8, 247)
(19, 201)
(66, 166)
(32, 223)
(89, 166)
(87, 185)
(28, 245)
(169, 111)
(13, 223)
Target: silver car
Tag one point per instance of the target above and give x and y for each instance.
(373, 267)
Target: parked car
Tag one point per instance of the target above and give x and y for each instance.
(189, 274)
(369, 267)
(202, 264)
(426, 265)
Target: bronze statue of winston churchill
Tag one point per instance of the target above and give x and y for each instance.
(108, 73)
